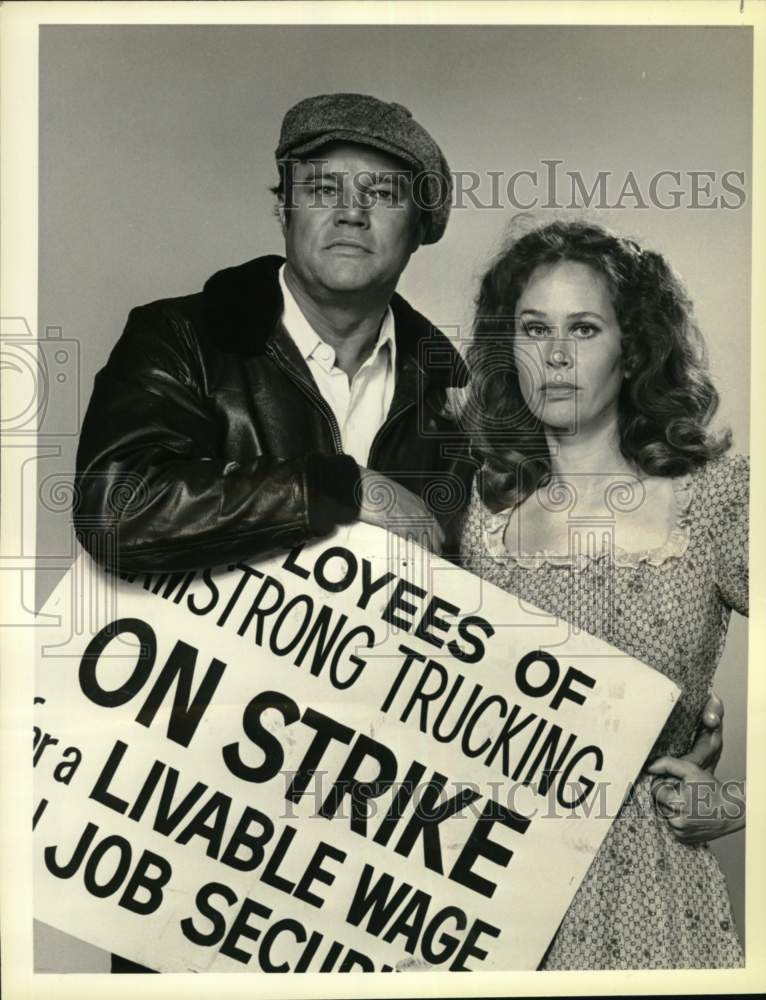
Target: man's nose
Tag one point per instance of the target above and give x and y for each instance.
(353, 210)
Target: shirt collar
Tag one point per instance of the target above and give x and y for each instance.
(311, 345)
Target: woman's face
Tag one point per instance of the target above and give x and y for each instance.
(568, 347)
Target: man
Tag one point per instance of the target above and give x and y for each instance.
(245, 417)
(251, 416)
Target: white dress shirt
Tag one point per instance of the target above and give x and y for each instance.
(361, 404)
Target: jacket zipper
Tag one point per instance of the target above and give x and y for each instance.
(325, 410)
(312, 394)
(383, 428)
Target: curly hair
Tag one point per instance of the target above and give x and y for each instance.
(663, 409)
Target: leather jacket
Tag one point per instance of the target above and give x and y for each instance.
(206, 440)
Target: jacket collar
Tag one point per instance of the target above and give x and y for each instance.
(243, 307)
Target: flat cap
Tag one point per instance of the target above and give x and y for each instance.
(369, 121)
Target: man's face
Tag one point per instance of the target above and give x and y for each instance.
(353, 224)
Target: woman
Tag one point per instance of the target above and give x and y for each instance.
(605, 499)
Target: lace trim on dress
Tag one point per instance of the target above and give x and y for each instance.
(674, 546)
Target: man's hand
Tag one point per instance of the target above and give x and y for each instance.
(697, 806)
(708, 745)
(386, 504)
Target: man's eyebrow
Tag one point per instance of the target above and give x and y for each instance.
(381, 176)
(315, 178)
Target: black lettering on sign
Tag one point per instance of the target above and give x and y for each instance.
(355, 959)
(254, 843)
(522, 671)
(179, 668)
(41, 741)
(375, 898)
(409, 922)
(282, 645)
(478, 845)
(405, 913)
(291, 563)
(316, 873)
(547, 756)
(65, 769)
(143, 882)
(349, 567)
(370, 586)
(209, 823)
(332, 957)
(70, 758)
(107, 867)
(431, 620)
(465, 744)
(587, 783)
(206, 908)
(191, 602)
(100, 792)
(425, 821)
(360, 792)
(265, 959)
(247, 573)
(67, 869)
(425, 695)
(355, 634)
(398, 603)
(318, 636)
(41, 807)
(270, 874)
(261, 609)
(410, 656)
(103, 884)
(273, 753)
(565, 692)
(469, 949)
(327, 730)
(475, 642)
(172, 807)
(449, 943)
(308, 953)
(89, 682)
(187, 712)
(242, 928)
(404, 792)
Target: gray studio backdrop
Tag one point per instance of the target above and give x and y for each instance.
(156, 153)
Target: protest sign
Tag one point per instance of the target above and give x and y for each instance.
(349, 757)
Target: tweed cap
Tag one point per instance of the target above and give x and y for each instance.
(368, 121)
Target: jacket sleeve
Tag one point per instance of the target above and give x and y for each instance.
(152, 489)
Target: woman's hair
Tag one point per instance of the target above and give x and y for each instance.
(664, 407)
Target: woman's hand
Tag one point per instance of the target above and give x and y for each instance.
(708, 744)
(697, 806)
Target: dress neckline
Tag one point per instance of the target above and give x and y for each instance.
(674, 546)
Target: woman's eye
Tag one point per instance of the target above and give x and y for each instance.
(584, 330)
(535, 330)
(383, 194)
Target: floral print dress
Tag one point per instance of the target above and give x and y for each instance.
(647, 901)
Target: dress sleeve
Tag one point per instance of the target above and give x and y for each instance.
(729, 494)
